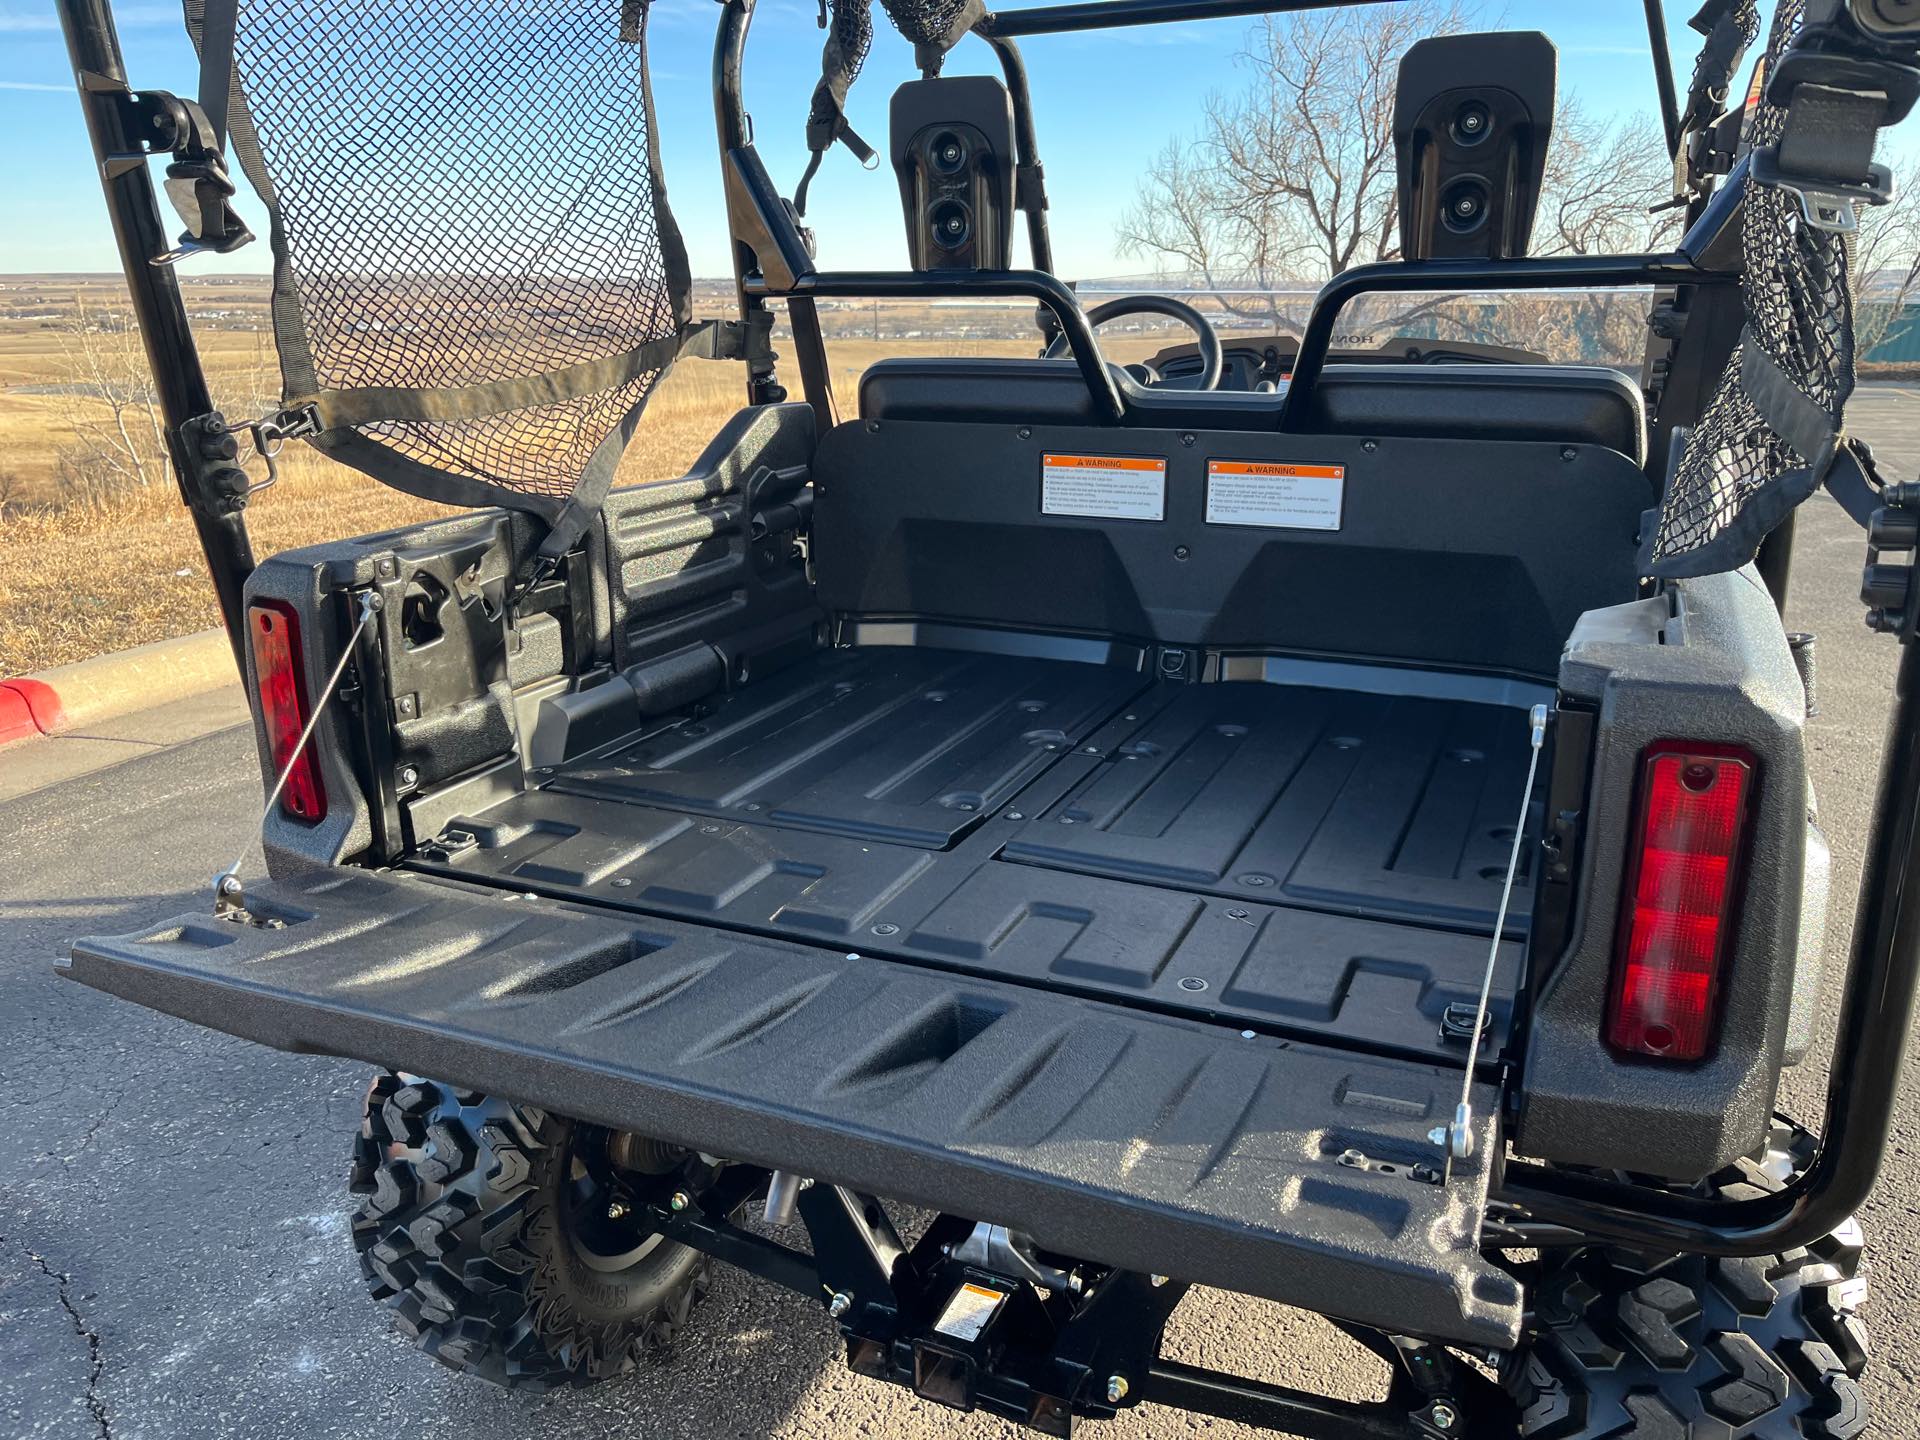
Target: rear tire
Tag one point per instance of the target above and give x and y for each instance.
(483, 1229)
(1689, 1347)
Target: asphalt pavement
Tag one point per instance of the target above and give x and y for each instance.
(174, 1252)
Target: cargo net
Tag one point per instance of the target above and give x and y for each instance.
(1737, 477)
(463, 194)
(934, 26)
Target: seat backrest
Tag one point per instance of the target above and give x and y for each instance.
(1566, 404)
(1563, 404)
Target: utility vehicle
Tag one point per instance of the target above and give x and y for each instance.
(1334, 827)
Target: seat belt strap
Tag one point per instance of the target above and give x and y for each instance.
(219, 24)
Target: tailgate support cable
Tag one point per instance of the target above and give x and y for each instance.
(1456, 1137)
(229, 895)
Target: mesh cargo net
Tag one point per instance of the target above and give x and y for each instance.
(475, 267)
(934, 26)
(1738, 477)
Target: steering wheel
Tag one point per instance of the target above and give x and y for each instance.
(1212, 357)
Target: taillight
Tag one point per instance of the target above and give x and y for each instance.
(1682, 881)
(275, 633)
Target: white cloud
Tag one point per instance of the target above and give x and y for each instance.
(37, 86)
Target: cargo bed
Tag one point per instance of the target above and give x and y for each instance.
(1316, 862)
(1156, 972)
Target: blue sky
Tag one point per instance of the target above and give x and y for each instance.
(1104, 102)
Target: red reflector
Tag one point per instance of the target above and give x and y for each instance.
(1679, 897)
(275, 632)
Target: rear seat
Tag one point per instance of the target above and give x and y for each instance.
(1567, 404)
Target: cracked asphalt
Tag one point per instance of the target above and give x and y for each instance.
(174, 1253)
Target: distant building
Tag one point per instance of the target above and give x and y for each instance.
(1880, 304)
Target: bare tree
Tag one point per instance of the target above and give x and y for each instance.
(1295, 178)
(1607, 186)
(1886, 262)
(1295, 175)
(103, 362)
(1187, 212)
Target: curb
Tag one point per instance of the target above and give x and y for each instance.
(57, 700)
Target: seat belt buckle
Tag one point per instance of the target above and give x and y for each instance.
(202, 192)
(1835, 107)
(1825, 203)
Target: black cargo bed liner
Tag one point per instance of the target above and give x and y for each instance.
(1153, 1144)
(1308, 862)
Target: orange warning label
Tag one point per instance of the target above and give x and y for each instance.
(1112, 487)
(1275, 495)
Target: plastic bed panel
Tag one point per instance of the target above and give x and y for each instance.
(1149, 1143)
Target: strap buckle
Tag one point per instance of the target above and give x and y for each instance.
(1836, 105)
(1825, 203)
(161, 123)
(201, 191)
(197, 182)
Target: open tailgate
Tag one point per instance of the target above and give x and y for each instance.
(1137, 1140)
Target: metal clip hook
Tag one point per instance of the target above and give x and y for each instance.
(270, 434)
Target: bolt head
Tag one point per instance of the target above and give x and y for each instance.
(1157, 1280)
(1443, 1415)
(679, 1201)
(1438, 1136)
(1116, 1389)
(617, 1210)
(840, 1304)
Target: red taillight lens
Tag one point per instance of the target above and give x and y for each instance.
(1678, 906)
(275, 632)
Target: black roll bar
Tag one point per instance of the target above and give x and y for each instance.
(1113, 14)
(180, 382)
(1026, 144)
(1550, 272)
(1663, 74)
(970, 284)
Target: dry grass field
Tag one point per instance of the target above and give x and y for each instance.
(93, 559)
